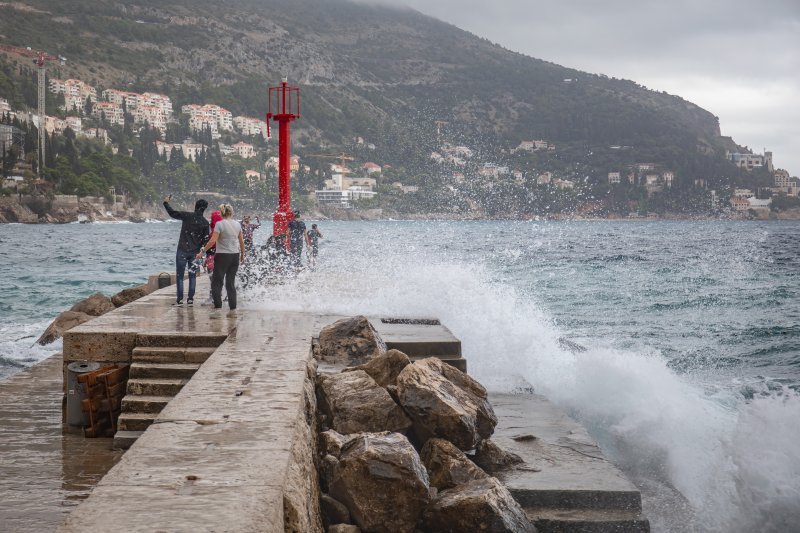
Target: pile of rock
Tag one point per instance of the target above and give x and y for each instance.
(83, 311)
(405, 445)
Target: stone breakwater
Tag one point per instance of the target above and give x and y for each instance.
(394, 440)
(366, 426)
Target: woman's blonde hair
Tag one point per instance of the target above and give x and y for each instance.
(226, 210)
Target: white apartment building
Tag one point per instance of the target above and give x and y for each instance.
(189, 150)
(112, 112)
(210, 113)
(75, 124)
(244, 150)
(153, 115)
(96, 133)
(614, 177)
(75, 92)
(751, 161)
(160, 101)
(250, 126)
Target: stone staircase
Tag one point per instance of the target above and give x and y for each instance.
(160, 366)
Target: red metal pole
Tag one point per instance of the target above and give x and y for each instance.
(283, 216)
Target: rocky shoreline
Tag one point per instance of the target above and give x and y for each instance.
(37, 211)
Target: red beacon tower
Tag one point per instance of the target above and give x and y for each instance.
(283, 107)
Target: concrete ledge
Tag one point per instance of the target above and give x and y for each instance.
(233, 451)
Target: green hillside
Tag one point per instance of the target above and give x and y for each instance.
(381, 73)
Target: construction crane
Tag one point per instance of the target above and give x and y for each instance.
(341, 157)
(39, 59)
(439, 124)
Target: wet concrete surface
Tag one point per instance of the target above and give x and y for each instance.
(44, 474)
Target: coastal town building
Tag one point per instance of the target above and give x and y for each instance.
(152, 115)
(253, 177)
(96, 133)
(75, 92)
(250, 126)
(204, 115)
(189, 150)
(244, 150)
(614, 177)
(371, 168)
(534, 146)
(751, 161)
(110, 112)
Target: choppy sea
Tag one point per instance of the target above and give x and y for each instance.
(691, 371)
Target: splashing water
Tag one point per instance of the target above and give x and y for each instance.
(694, 447)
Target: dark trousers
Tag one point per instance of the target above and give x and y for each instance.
(182, 260)
(225, 267)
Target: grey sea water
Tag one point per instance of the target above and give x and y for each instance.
(691, 331)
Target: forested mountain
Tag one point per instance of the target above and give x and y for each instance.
(385, 74)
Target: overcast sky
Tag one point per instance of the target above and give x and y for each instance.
(740, 59)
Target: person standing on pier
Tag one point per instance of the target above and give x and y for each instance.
(247, 232)
(194, 233)
(228, 239)
(313, 242)
(297, 235)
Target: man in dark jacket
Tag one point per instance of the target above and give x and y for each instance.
(194, 234)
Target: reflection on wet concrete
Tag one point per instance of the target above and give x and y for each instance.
(44, 474)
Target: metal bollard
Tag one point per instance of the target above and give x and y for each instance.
(164, 280)
(76, 393)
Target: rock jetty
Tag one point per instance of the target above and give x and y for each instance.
(404, 446)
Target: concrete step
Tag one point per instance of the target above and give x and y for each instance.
(173, 354)
(144, 404)
(555, 520)
(563, 467)
(155, 387)
(183, 340)
(417, 337)
(135, 421)
(163, 370)
(125, 439)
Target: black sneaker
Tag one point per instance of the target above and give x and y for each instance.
(179, 302)
(189, 302)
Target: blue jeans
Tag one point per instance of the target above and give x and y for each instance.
(182, 259)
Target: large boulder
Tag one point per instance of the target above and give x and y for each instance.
(479, 505)
(334, 511)
(354, 403)
(126, 296)
(385, 368)
(63, 322)
(492, 458)
(95, 305)
(331, 443)
(382, 482)
(446, 403)
(350, 341)
(447, 465)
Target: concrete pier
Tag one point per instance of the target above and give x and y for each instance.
(223, 437)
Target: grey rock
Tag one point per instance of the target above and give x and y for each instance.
(95, 305)
(334, 511)
(381, 480)
(63, 322)
(384, 368)
(354, 403)
(344, 528)
(350, 341)
(492, 459)
(126, 296)
(444, 402)
(331, 442)
(447, 465)
(480, 505)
